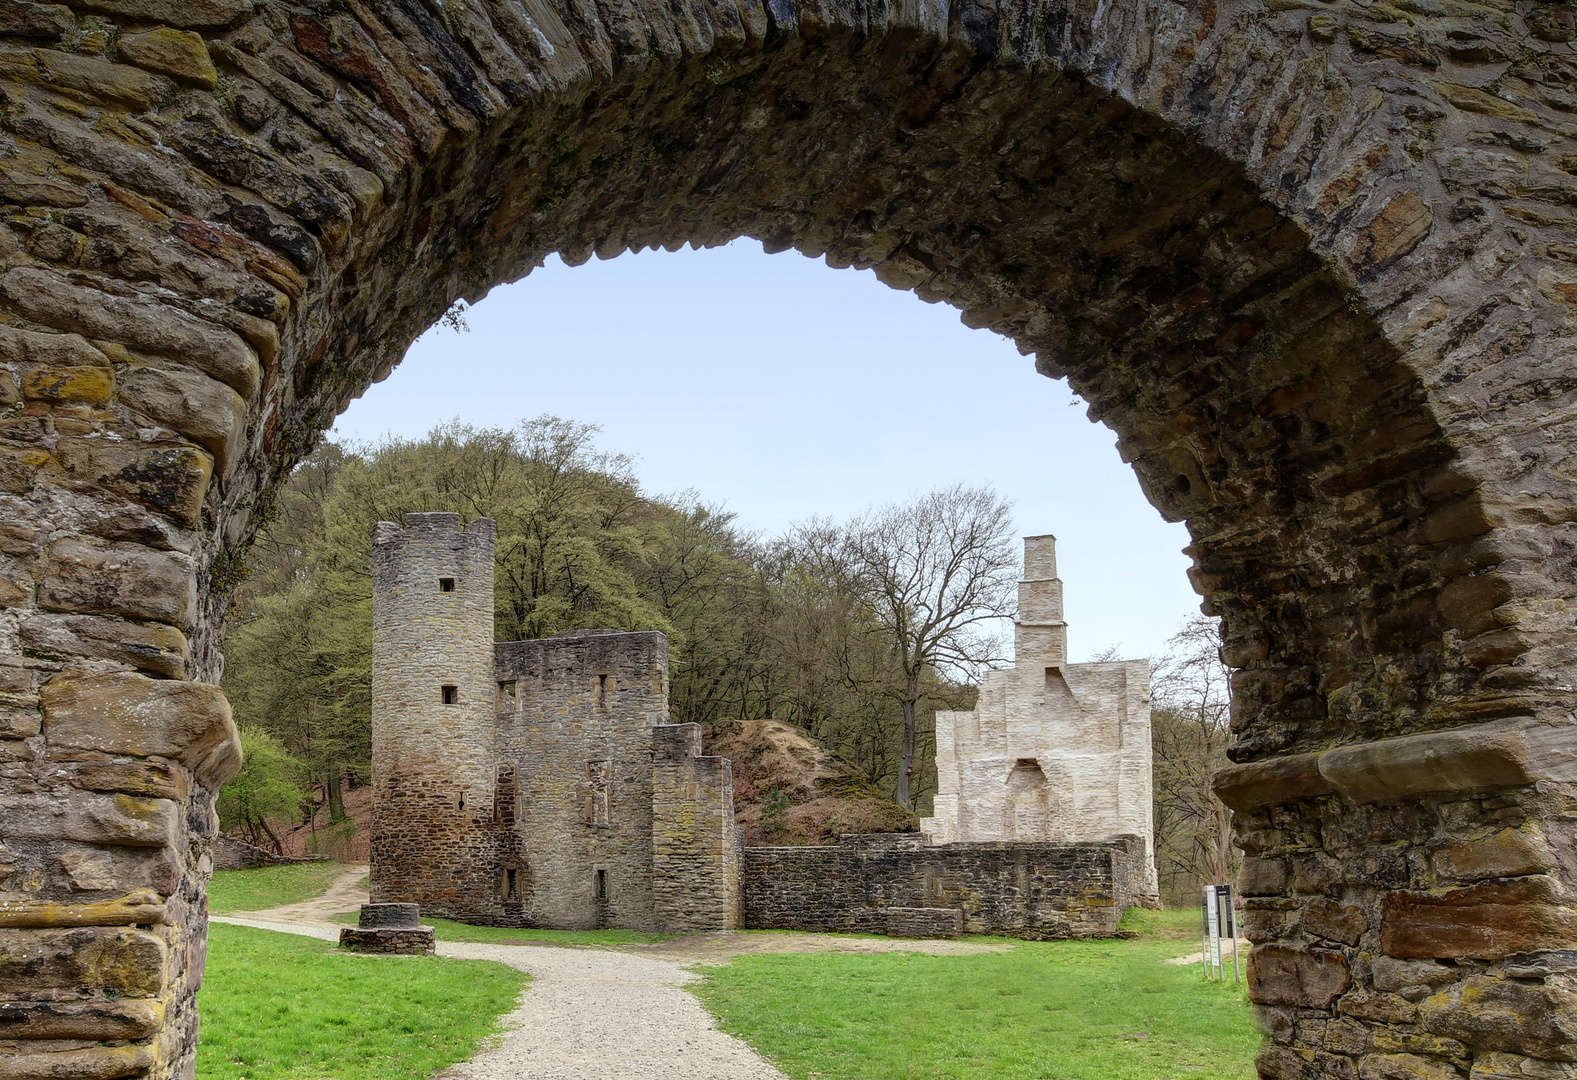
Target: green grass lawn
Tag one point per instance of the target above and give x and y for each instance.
(269, 886)
(282, 1007)
(447, 930)
(1074, 1010)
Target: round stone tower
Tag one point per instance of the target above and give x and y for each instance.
(433, 712)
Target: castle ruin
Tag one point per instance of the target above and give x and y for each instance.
(1053, 752)
(539, 783)
(532, 783)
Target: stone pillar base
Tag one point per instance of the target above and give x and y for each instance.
(389, 930)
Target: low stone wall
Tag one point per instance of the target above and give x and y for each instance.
(228, 853)
(1035, 891)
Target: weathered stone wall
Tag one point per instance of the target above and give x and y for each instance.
(228, 853)
(579, 734)
(696, 847)
(1313, 262)
(1053, 752)
(1035, 891)
(432, 713)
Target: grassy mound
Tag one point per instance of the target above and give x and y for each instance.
(789, 789)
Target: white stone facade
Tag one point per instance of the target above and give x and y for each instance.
(1053, 752)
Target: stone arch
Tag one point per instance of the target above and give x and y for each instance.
(1312, 262)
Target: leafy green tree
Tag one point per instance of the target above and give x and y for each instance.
(269, 785)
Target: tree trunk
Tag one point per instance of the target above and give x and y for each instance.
(335, 795)
(906, 759)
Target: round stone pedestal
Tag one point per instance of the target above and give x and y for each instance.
(389, 929)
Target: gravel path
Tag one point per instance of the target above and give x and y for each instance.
(594, 1014)
(590, 1014)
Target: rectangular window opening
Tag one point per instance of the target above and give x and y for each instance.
(507, 695)
(511, 884)
(451, 695)
(446, 584)
(602, 691)
(602, 884)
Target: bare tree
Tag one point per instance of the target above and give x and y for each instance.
(1192, 699)
(938, 573)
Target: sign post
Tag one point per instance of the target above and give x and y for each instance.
(1220, 922)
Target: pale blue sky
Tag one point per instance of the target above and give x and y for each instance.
(785, 389)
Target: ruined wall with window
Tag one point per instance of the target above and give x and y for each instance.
(1053, 752)
(514, 781)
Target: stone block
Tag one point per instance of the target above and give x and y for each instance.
(1490, 920)
(1270, 783)
(1392, 974)
(1274, 1062)
(48, 22)
(91, 819)
(923, 922)
(89, 868)
(129, 963)
(1471, 759)
(1488, 1013)
(140, 323)
(1377, 1008)
(203, 409)
(128, 713)
(152, 779)
(127, 1019)
(134, 909)
(73, 1063)
(170, 479)
(1339, 922)
(91, 75)
(180, 54)
(130, 581)
(1405, 1067)
(1310, 978)
(20, 717)
(1262, 877)
(154, 647)
(1498, 1066)
(19, 467)
(1508, 853)
(69, 385)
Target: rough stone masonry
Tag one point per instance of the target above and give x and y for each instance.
(1313, 262)
(532, 783)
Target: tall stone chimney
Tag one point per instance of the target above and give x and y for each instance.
(1040, 636)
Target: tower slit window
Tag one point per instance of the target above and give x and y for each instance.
(449, 695)
(446, 584)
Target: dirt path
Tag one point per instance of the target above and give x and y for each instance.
(346, 894)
